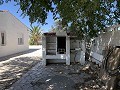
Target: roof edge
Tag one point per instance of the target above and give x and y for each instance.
(4, 11)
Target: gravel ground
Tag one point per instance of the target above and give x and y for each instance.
(12, 67)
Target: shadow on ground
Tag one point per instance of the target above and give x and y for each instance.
(56, 82)
(12, 70)
(63, 77)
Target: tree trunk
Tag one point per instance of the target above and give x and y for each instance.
(111, 63)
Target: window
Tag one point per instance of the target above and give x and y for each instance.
(2, 38)
(20, 39)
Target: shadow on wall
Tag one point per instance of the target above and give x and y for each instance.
(17, 54)
(111, 71)
(106, 39)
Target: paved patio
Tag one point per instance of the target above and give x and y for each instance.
(12, 67)
(50, 77)
(58, 77)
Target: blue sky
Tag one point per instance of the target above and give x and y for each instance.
(13, 9)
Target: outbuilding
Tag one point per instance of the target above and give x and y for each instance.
(62, 47)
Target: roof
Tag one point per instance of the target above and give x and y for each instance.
(3, 10)
(50, 34)
(54, 34)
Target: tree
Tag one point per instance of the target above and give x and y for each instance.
(86, 17)
(35, 35)
(57, 26)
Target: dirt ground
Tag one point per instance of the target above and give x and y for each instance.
(12, 67)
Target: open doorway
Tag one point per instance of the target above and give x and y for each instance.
(61, 45)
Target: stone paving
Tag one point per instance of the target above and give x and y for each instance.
(12, 67)
(53, 77)
(50, 77)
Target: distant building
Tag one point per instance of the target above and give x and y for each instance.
(13, 34)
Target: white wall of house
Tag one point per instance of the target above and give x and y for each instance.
(13, 30)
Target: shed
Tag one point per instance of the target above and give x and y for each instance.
(62, 47)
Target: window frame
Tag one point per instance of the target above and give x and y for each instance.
(20, 39)
(3, 43)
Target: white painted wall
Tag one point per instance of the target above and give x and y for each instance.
(12, 27)
(75, 44)
(73, 51)
(96, 57)
(110, 38)
(57, 57)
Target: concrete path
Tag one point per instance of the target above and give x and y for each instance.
(12, 67)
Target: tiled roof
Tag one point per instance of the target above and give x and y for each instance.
(3, 10)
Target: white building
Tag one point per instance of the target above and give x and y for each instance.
(13, 34)
(62, 47)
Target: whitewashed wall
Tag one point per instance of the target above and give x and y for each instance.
(111, 38)
(12, 27)
(106, 39)
(75, 44)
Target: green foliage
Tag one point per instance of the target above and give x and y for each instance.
(88, 17)
(85, 17)
(35, 35)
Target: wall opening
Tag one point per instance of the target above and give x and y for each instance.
(3, 38)
(61, 45)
